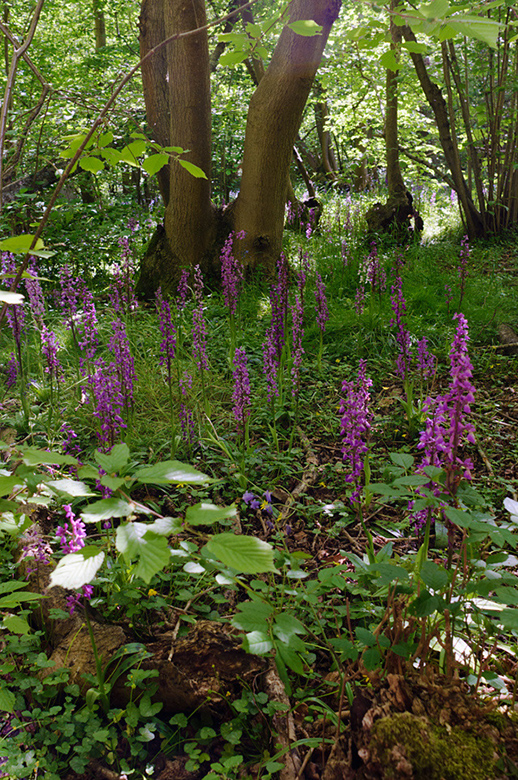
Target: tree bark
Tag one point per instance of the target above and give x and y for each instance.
(274, 117)
(99, 25)
(177, 95)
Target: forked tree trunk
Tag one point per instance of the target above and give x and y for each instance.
(274, 118)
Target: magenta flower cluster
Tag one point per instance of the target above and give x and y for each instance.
(241, 394)
(356, 419)
(322, 310)
(231, 272)
(168, 331)
(199, 326)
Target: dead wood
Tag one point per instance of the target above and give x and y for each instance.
(508, 339)
(284, 725)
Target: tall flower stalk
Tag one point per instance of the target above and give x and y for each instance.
(355, 426)
(241, 395)
(232, 281)
(167, 353)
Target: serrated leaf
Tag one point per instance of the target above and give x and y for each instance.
(252, 616)
(155, 163)
(434, 576)
(287, 625)
(245, 554)
(92, 164)
(305, 27)
(402, 459)
(434, 10)
(479, 27)
(11, 298)
(231, 58)
(70, 488)
(205, 513)
(20, 244)
(171, 471)
(78, 568)
(135, 540)
(115, 460)
(194, 170)
(106, 509)
(7, 699)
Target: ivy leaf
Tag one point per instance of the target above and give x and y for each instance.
(206, 513)
(78, 568)
(245, 554)
(306, 27)
(155, 163)
(171, 471)
(194, 170)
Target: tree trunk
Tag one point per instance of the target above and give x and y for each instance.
(274, 118)
(100, 25)
(474, 223)
(177, 95)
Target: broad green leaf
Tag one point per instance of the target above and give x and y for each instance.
(114, 483)
(306, 27)
(106, 509)
(371, 658)
(508, 595)
(388, 61)
(290, 658)
(253, 29)
(415, 48)
(135, 540)
(437, 9)
(388, 572)
(32, 456)
(20, 244)
(412, 480)
(237, 38)
(71, 488)
(206, 513)
(133, 150)
(7, 485)
(115, 460)
(479, 27)
(253, 616)
(12, 585)
(246, 554)
(509, 618)
(192, 567)
(194, 170)
(112, 156)
(14, 600)
(155, 163)
(425, 604)
(92, 164)
(78, 568)
(365, 637)
(433, 575)
(288, 624)
(12, 298)
(175, 149)
(402, 459)
(233, 58)
(171, 471)
(105, 138)
(7, 699)
(16, 625)
(163, 526)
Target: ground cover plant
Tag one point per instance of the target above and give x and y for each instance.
(298, 493)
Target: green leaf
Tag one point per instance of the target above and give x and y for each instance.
(246, 554)
(194, 170)
(71, 488)
(32, 456)
(402, 459)
(11, 298)
(7, 699)
(105, 138)
(92, 164)
(155, 163)
(171, 471)
(7, 485)
(306, 27)
(16, 625)
(371, 658)
(78, 568)
(231, 58)
(257, 643)
(437, 9)
(133, 150)
(254, 30)
(253, 616)
(433, 575)
(509, 618)
(135, 540)
(14, 600)
(106, 509)
(285, 626)
(425, 604)
(412, 480)
(365, 637)
(115, 460)
(388, 61)
(290, 658)
(20, 244)
(479, 27)
(206, 513)
(174, 149)
(415, 48)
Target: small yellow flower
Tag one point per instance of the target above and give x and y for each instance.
(322, 484)
(337, 360)
(152, 592)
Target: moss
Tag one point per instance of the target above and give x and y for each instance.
(435, 753)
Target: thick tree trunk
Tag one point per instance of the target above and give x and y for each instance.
(177, 94)
(100, 25)
(274, 118)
